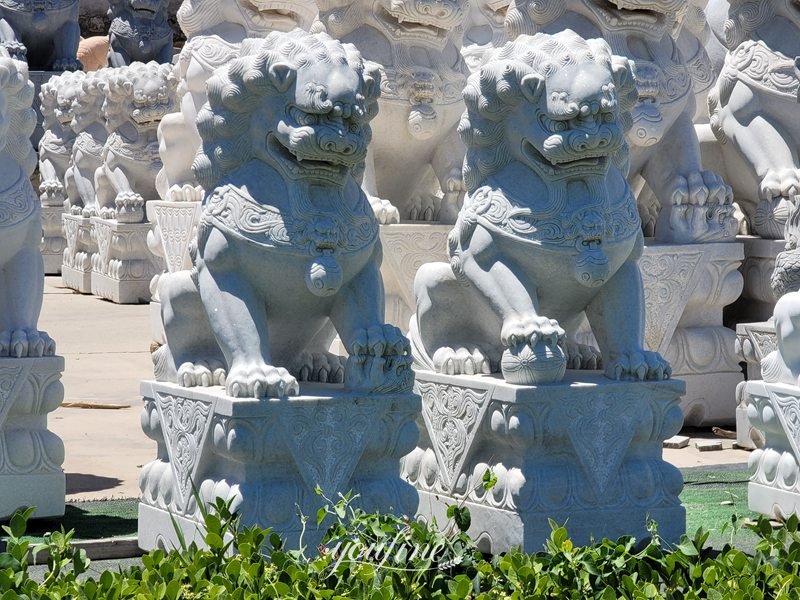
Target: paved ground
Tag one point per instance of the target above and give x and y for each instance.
(106, 347)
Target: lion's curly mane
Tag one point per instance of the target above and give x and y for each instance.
(494, 92)
(48, 94)
(18, 93)
(744, 17)
(238, 91)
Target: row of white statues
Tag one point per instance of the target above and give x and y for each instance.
(290, 149)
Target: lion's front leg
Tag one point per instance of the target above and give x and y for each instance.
(617, 318)
(379, 360)
(238, 319)
(66, 47)
(51, 189)
(526, 335)
(448, 162)
(119, 200)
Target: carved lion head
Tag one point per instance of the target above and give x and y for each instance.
(301, 102)
(57, 96)
(17, 118)
(141, 93)
(556, 104)
(257, 17)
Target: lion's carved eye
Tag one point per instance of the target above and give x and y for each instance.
(303, 118)
(608, 117)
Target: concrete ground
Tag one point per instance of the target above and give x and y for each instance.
(107, 352)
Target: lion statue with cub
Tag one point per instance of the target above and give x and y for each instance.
(288, 253)
(549, 230)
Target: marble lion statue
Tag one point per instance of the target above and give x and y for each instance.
(549, 229)
(695, 203)
(46, 34)
(139, 32)
(21, 266)
(214, 32)
(413, 169)
(57, 96)
(288, 253)
(137, 98)
(754, 111)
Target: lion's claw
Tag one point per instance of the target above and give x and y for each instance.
(201, 374)
(530, 330)
(380, 340)
(385, 211)
(461, 361)
(259, 380)
(639, 366)
(319, 366)
(780, 183)
(22, 343)
(67, 64)
(581, 356)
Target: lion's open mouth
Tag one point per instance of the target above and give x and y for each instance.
(402, 24)
(282, 16)
(558, 166)
(299, 162)
(619, 12)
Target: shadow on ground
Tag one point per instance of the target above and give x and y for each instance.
(78, 483)
(91, 520)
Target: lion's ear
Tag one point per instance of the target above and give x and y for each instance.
(624, 70)
(532, 87)
(282, 76)
(372, 79)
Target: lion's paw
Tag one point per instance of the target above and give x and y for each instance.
(87, 211)
(385, 211)
(323, 367)
(424, 207)
(638, 366)
(581, 356)
(185, 193)
(530, 329)
(379, 374)
(107, 212)
(51, 193)
(780, 183)
(258, 379)
(22, 343)
(129, 207)
(67, 64)
(380, 340)
(17, 50)
(201, 374)
(700, 187)
(461, 361)
(693, 223)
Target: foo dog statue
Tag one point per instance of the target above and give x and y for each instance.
(46, 34)
(417, 42)
(21, 266)
(57, 97)
(139, 32)
(696, 205)
(484, 30)
(91, 134)
(137, 97)
(214, 32)
(287, 250)
(549, 227)
(754, 111)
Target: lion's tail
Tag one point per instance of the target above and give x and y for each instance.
(421, 358)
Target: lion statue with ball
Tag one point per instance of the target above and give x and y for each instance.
(549, 229)
(21, 266)
(288, 253)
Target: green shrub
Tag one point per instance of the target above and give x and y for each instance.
(382, 557)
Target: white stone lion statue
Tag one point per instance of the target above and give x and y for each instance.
(21, 266)
(137, 98)
(754, 110)
(549, 230)
(288, 253)
(57, 96)
(484, 30)
(214, 32)
(696, 204)
(413, 169)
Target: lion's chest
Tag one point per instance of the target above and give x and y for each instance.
(137, 157)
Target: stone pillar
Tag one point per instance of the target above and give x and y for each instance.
(586, 451)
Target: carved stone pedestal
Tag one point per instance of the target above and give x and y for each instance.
(757, 300)
(76, 268)
(53, 241)
(30, 455)
(587, 449)
(269, 454)
(405, 249)
(753, 342)
(774, 487)
(686, 289)
(123, 266)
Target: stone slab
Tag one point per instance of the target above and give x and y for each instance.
(708, 445)
(268, 454)
(676, 442)
(587, 449)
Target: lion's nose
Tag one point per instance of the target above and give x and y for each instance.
(332, 142)
(436, 8)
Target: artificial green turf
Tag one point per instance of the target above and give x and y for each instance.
(704, 492)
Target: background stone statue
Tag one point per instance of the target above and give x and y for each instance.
(754, 111)
(287, 248)
(21, 266)
(139, 32)
(549, 228)
(695, 203)
(46, 34)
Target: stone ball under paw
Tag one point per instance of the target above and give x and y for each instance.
(526, 365)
